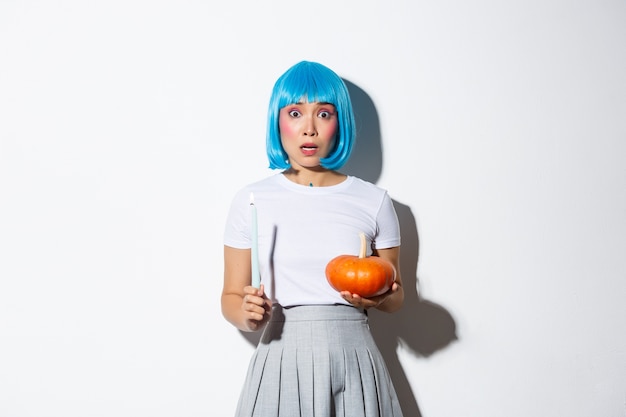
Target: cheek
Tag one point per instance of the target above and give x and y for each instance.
(330, 130)
(285, 127)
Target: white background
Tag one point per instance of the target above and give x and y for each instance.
(499, 129)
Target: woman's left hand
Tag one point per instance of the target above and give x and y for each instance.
(361, 302)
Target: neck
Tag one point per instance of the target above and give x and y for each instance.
(312, 178)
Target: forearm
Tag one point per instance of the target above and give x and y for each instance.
(393, 302)
(232, 311)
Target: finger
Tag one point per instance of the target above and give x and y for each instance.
(249, 289)
(254, 311)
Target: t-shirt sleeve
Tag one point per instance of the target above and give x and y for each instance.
(237, 229)
(388, 226)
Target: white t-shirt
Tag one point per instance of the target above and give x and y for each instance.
(300, 229)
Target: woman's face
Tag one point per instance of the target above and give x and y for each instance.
(307, 132)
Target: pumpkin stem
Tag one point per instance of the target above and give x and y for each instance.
(363, 250)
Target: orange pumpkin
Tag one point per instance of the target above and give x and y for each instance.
(366, 276)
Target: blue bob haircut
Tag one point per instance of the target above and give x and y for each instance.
(311, 82)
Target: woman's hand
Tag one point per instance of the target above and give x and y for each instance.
(374, 302)
(245, 306)
(256, 307)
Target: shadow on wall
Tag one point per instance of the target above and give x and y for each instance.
(421, 326)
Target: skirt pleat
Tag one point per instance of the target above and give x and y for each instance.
(289, 385)
(317, 361)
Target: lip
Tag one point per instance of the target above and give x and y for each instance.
(308, 149)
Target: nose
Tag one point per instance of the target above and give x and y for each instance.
(309, 128)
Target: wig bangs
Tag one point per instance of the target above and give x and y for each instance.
(310, 87)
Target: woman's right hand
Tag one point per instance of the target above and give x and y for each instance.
(256, 307)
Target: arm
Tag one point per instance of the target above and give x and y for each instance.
(243, 305)
(391, 300)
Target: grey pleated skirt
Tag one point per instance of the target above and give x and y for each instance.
(317, 361)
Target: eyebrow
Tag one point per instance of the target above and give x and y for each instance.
(321, 103)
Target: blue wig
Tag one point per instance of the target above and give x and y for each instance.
(311, 82)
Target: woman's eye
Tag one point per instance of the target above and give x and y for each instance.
(324, 114)
(294, 113)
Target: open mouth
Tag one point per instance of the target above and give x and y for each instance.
(308, 149)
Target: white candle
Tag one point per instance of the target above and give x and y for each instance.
(256, 278)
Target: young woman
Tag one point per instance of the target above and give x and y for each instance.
(316, 356)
